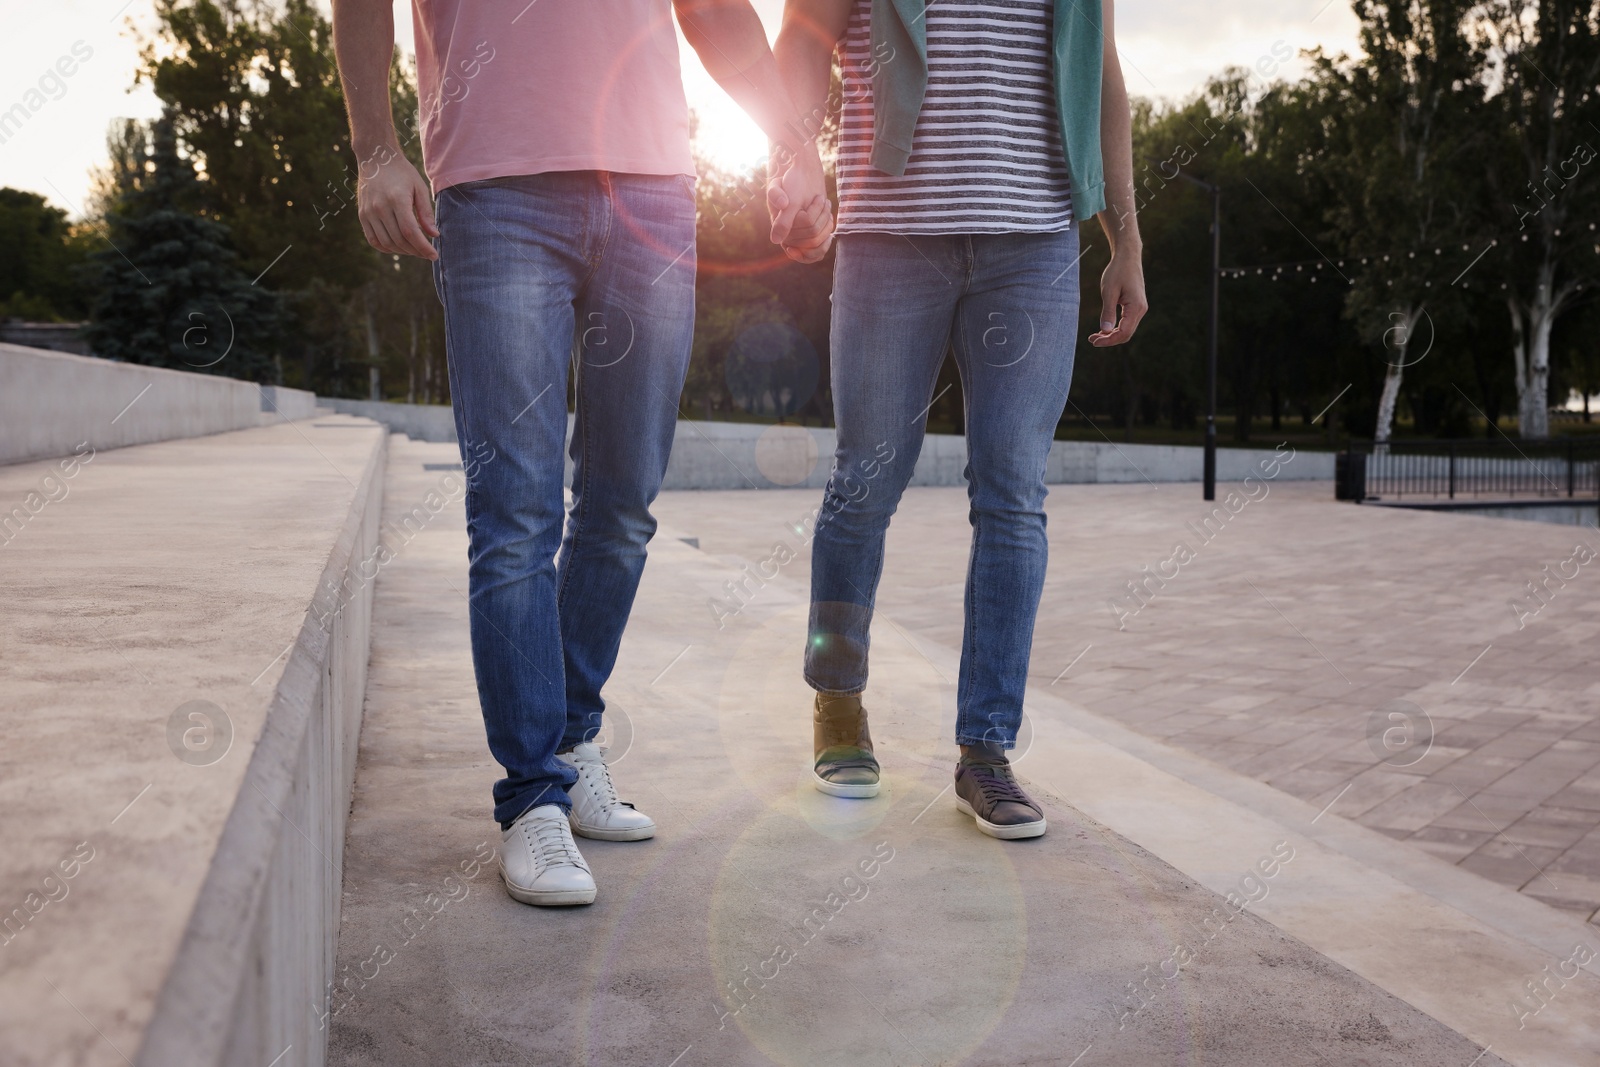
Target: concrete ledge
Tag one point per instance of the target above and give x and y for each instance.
(228, 571)
(51, 402)
(746, 455)
(280, 402)
(420, 422)
(55, 336)
(728, 455)
(260, 945)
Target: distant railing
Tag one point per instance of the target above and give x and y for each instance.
(1502, 469)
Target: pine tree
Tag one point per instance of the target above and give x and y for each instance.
(171, 292)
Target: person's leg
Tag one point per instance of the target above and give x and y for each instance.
(1016, 335)
(511, 257)
(635, 324)
(894, 300)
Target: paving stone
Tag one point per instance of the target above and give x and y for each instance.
(1552, 827)
(1508, 863)
(1309, 784)
(1570, 892)
(1476, 771)
(1448, 844)
(1486, 811)
(1371, 788)
(1412, 809)
(1577, 797)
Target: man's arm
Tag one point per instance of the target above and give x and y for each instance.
(811, 30)
(729, 38)
(1122, 285)
(391, 197)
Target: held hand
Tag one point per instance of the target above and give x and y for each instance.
(802, 216)
(1121, 289)
(812, 233)
(396, 210)
(796, 192)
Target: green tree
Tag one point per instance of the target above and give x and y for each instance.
(256, 102)
(39, 272)
(1400, 176)
(171, 293)
(1539, 64)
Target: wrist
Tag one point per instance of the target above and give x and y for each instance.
(375, 151)
(1125, 242)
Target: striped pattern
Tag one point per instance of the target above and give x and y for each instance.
(986, 156)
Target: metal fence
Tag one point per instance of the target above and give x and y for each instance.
(1502, 470)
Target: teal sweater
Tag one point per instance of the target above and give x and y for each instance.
(899, 36)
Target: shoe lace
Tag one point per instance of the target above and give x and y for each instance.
(841, 724)
(552, 843)
(997, 784)
(598, 776)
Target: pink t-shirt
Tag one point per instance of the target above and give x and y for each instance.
(516, 87)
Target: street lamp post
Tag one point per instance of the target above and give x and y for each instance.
(1211, 354)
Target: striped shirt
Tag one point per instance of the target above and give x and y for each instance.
(986, 156)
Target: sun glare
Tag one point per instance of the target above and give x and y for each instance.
(725, 137)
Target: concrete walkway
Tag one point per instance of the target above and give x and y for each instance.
(769, 924)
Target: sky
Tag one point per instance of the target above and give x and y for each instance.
(1168, 47)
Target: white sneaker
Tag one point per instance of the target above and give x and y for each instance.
(596, 811)
(540, 863)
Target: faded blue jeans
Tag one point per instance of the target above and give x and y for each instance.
(592, 274)
(1008, 306)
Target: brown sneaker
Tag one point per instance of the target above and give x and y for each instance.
(845, 764)
(987, 790)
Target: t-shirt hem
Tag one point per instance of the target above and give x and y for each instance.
(901, 230)
(517, 167)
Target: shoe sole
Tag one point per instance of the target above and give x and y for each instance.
(853, 792)
(548, 899)
(596, 833)
(1013, 832)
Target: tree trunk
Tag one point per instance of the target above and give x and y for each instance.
(1533, 406)
(1397, 341)
(1531, 324)
(1387, 401)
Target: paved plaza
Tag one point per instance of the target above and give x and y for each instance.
(1272, 649)
(1177, 912)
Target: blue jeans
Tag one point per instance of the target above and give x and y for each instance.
(1008, 305)
(592, 273)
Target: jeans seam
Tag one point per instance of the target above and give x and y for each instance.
(871, 607)
(580, 493)
(608, 201)
(579, 488)
(457, 396)
(964, 681)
